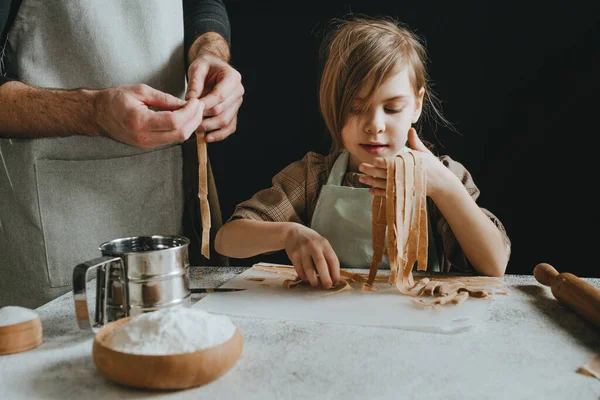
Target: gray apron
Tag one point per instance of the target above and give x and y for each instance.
(343, 216)
(62, 197)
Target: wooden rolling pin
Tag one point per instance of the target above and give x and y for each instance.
(572, 291)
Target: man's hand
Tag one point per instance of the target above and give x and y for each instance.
(123, 113)
(219, 86)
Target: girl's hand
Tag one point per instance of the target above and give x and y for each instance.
(436, 173)
(312, 255)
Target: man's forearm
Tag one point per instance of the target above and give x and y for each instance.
(209, 43)
(30, 112)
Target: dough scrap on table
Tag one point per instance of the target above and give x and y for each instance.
(591, 367)
(254, 278)
(426, 286)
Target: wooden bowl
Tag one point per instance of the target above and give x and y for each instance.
(20, 337)
(178, 371)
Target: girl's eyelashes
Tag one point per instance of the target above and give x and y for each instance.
(357, 110)
(393, 110)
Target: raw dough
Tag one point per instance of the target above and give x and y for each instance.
(203, 193)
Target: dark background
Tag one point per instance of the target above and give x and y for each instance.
(519, 81)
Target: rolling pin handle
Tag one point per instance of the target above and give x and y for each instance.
(545, 273)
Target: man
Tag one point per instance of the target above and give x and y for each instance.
(94, 128)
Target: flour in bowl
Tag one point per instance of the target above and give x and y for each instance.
(173, 330)
(12, 315)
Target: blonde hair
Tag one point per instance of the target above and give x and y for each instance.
(361, 51)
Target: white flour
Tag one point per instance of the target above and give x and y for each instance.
(11, 315)
(173, 330)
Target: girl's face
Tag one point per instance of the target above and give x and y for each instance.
(382, 129)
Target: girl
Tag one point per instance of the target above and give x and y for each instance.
(373, 89)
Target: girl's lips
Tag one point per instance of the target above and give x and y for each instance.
(374, 148)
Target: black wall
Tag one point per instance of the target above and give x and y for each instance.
(519, 80)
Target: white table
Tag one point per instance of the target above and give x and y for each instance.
(529, 347)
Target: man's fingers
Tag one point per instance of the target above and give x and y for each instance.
(223, 133)
(233, 100)
(158, 99)
(182, 132)
(197, 76)
(172, 120)
(190, 126)
(229, 81)
(221, 126)
(222, 119)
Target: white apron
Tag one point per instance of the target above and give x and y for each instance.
(62, 197)
(343, 216)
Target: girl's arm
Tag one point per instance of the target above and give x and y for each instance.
(480, 239)
(242, 238)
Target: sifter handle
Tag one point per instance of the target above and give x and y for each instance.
(80, 279)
